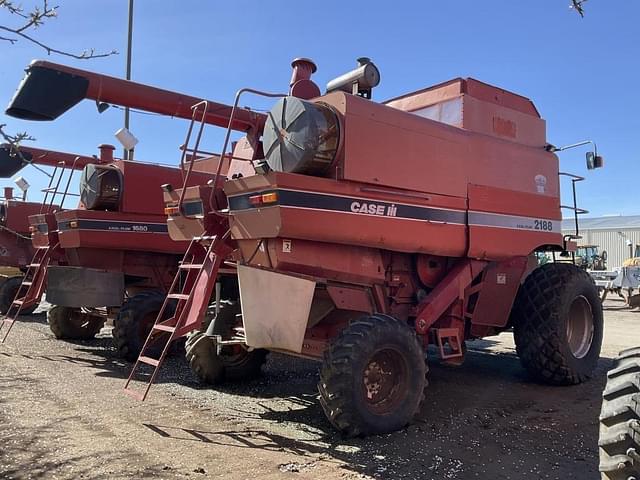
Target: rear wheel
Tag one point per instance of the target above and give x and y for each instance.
(235, 362)
(134, 322)
(373, 377)
(8, 291)
(557, 319)
(620, 419)
(73, 324)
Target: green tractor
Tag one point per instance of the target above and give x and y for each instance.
(590, 258)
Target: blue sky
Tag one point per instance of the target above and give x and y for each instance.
(581, 73)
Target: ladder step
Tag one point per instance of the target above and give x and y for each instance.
(34, 265)
(164, 328)
(178, 296)
(8, 321)
(186, 266)
(18, 302)
(149, 361)
(205, 237)
(27, 283)
(134, 394)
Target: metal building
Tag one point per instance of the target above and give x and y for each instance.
(618, 236)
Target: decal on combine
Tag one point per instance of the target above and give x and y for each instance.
(111, 226)
(375, 208)
(516, 222)
(352, 205)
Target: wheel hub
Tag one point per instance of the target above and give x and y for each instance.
(580, 327)
(385, 380)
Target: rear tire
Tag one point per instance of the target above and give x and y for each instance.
(134, 321)
(373, 377)
(8, 290)
(234, 363)
(619, 441)
(557, 320)
(72, 324)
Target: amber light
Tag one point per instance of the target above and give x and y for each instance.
(171, 210)
(263, 199)
(32, 228)
(73, 224)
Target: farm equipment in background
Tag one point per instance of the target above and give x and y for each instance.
(364, 232)
(26, 290)
(16, 250)
(589, 257)
(117, 249)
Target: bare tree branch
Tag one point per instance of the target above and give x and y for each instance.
(14, 142)
(577, 6)
(34, 19)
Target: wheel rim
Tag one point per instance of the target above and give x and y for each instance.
(385, 380)
(580, 327)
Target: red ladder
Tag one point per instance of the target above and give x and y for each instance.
(191, 293)
(30, 289)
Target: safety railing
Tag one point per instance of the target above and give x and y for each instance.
(190, 154)
(576, 210)
(51, 191)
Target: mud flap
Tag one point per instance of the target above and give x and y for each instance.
(275, 308)
(84, 287)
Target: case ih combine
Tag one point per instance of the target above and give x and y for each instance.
(21, 232)
(115, 244)
(365, 232)
(45, 248)
(15, 243)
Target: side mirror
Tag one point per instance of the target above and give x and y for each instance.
(594, 161)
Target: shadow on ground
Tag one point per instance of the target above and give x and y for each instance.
(485, 419)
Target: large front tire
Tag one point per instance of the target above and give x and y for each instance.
(72, 324)
(8, 291)
(235, 362)
(134, 322)
(558, 322)
(373, 377)
(620, 419)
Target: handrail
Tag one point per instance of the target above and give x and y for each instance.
(216, 181)
(576, 210)
(66, 190)
(185, 178)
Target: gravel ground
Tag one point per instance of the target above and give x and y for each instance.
(63, 415)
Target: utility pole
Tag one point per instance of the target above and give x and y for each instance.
(128, 154)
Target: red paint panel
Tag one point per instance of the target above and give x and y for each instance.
(356, 299)
(499, 287)
(492, 243)
(346, 263)
(500, 200)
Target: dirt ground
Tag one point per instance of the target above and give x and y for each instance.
(63, 416)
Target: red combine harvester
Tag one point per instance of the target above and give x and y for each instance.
(366, 232)
(115, 243)
(24, 292)
(15, 242)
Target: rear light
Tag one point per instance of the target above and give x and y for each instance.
(255, 200)
(172, 210)
(263, 199)
(73, 224)
(271, 197)
(32, 228)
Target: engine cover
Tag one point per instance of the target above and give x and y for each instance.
(300, 137)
